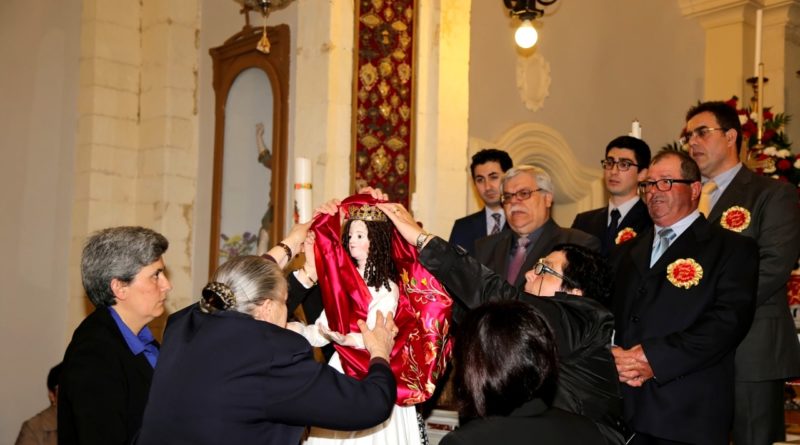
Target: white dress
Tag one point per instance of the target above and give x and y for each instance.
(401, 427)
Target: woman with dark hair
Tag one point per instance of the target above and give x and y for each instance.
(575, 281)
(231, 373)
(505, 367)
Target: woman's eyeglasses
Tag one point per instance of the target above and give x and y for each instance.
(540, 268)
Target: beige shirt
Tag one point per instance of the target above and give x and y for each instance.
(40, 429)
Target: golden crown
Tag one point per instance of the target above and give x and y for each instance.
(366, 213)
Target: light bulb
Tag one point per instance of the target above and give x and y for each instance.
(526, 35)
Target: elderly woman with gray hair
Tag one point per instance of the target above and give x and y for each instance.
(109, 363)
(231, 373)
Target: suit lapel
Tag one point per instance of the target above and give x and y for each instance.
(500, 255)
(600, 222)
(735, 189)
(685, 246)
(641, 251)
(540, 249)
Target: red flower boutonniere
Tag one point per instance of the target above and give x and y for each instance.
(735, 218)
(625, 234)
(685, 273)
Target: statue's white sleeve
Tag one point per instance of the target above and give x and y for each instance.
(313, 334)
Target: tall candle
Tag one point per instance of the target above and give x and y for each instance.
(759, 19)
(636, 129)
(302, 189)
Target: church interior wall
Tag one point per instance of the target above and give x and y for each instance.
(38, 112)
(610, 62)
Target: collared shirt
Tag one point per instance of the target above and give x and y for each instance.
(679, 227)
(490, 220)
(623, 209)
(723, 180)
(143, 342)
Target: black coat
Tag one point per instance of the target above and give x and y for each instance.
(494, 251)
(689, 335)
(228, 378)
(103, 388)
(469, 229)
(595, 222)
(588, 381)
(531, 423)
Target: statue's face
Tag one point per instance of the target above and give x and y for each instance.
(359, 241)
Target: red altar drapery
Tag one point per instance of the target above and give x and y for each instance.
(422, 346)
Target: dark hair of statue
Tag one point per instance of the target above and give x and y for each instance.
(726, 116)
(589, 270)
(379, 269)
(505, 355)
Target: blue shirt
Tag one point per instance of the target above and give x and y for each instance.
(143, 342)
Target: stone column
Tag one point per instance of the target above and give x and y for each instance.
(108, 130)
(730, 51)
(166, 186)
(443, 45)
(137, 144)
(322, 118)
(730, 43)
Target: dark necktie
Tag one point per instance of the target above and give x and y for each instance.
(517, 259)
(496, 227)
(611, 231)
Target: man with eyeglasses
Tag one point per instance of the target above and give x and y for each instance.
(487, 168)
(527, 196)
(766, 210)
(625, 217)
(682, 302)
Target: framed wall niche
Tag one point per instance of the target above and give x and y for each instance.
(251, 88)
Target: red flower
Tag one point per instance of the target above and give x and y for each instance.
(767, 114)
(733, 102)
(783, 178)
(783, 164)
(768, 134)
(750, 127)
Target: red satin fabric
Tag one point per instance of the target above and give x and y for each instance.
(422, 346)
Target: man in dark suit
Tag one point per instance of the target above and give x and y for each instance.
(488, 166)
(766, 210)
(625, 217)
(109, 363)
(527, 198)
(683, 300)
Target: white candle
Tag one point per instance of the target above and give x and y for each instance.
(759, 18)
(636, 129)
(303, 189)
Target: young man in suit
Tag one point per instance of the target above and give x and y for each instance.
(488, 167)
(766, 210)
(625, 217)
(527, 198)
(108, 365)
(683, 300)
